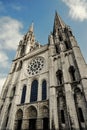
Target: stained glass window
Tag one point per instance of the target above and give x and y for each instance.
(23, 94)
(34, 91)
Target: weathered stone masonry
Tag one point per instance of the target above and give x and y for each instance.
(47, 84)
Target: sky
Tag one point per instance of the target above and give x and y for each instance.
(16, 17)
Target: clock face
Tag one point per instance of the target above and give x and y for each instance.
(35, 66)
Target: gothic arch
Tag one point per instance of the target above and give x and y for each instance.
(19, 114)
(34, 91)
(18, 119)
(62, 111)
(44, 111)
(59, 75)
(31, 112)
(72, 73)
(22, 49)
(67, 45)
(23, 94)
(80, 106)
(77, 90)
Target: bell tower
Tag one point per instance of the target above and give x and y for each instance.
(69, 89)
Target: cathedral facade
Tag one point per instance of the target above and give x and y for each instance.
(46, 88)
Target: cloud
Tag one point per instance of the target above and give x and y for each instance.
(10, 33)
(77, 9)
(4, 63)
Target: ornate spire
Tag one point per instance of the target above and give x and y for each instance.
(31, 29)
(58, 23)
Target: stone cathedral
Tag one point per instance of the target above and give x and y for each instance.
(46, 88)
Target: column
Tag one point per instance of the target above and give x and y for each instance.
(82, 66)
(39, 125)
(69, 95)
(53, 98)
(28, 91)
(39, 89)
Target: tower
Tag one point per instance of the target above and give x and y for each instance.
(47, 85)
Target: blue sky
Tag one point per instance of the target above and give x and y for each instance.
(17, 15)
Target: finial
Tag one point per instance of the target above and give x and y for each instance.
(31, 27)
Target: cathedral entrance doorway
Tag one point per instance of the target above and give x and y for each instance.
(19, 125)
(45, 123)
(32, 124)
(18, 120)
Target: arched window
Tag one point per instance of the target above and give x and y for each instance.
(81, 115)
(59, 75)
(20, 65)
(60, 38)
(34, 91)
(57, 48)
(72, 73)
(22, 52)
(67, 45)
(23, 94)
(44, 90)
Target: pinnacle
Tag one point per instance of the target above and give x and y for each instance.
(58, 22)
(31, 29)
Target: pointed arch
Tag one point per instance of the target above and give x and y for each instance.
(44, 90)
(67, 45)
(31, 116)
(80, 104)
(31, 112)
(34, 91)
(72, 73)
(22, 51)
(59, 75)
(44, 111)
(23, 94)
(19, 116)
